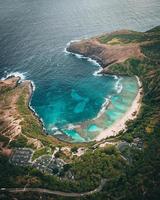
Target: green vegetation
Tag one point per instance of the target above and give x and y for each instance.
(152, 50)
(139, 176)
(74, 149)
(30, 126)
(20, 142)
(93, 166)
(42, 151)
(122, 38)
(14, 176)
(131, 37)
(86, 177)
(4, 140)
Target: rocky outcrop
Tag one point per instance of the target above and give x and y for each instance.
(9, 83)
(105, 54)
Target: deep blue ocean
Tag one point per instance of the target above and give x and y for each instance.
(34, 34)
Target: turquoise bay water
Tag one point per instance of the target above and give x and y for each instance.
(118, 106)
(32, 41)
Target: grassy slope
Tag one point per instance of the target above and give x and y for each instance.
(141, 178)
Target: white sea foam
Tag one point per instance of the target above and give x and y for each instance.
(58, 133)
(68, 44)
(115, 77)
(79, 55)
(83, 57)
(33, 110)
(54, 128)
(103, 107)
(118, 86)
(40, 119)
(93, 61)
(72, 126)
(98, 72)
(16, 74)
(33, 86)
(119, 89)
(72, 41)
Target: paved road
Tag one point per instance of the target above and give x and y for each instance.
(59, 193)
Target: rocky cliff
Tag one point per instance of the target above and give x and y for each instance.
(113, 51)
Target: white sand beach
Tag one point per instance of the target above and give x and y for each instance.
(131, 114)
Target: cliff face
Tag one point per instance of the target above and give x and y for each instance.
(8, 84)
(105, 54)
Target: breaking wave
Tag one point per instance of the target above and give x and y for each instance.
(119, 86)
(16, 74)
(79, 56)
(103, 107)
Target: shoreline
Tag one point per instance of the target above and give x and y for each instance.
(113, 130)
(31, 90)
(130, 114)
(106, 55)
(119, 124)
(13, 117)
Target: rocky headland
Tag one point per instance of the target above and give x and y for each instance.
(111, 52)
